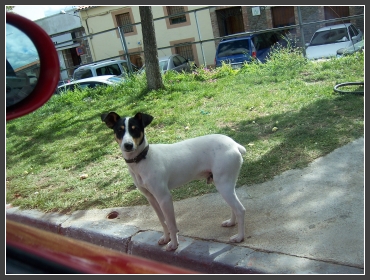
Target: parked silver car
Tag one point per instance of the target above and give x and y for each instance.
(110, 67)
(328, 40)
(174, 62)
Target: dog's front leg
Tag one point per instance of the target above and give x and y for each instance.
(153, 202)
(163, 196)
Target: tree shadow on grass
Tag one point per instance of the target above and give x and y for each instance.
(301, 136)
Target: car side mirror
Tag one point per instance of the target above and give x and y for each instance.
(32, 66)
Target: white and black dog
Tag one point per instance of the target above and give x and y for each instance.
(162, 167)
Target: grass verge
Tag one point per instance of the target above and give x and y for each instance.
(284, 112)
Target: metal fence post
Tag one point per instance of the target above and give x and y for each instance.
(200, 39)
(124, 45)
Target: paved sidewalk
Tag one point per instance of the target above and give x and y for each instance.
(307, 221)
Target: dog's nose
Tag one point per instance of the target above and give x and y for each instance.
(128, 146)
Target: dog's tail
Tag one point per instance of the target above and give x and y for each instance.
(241, 149)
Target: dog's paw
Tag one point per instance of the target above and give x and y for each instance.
(172, 246)
(236, 238)
(228, 223)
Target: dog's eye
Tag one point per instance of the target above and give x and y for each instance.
(133, 127)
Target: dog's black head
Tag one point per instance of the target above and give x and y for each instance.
(128, 131)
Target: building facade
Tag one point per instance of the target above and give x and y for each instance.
(64, 29)
(95, 33)
(180, 29)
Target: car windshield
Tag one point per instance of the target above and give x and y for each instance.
(233, 48)
(330, 37)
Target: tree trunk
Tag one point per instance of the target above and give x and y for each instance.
(153, 74)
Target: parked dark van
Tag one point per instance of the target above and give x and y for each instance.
(237, 49)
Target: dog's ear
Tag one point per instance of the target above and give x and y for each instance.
(110, 119)
(145, 118)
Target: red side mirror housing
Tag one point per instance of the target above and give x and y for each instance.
(49, 67)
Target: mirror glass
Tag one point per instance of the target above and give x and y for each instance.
(22, 65)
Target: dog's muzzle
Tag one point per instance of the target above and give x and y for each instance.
(128, 146)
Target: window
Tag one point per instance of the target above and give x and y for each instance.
(173, 10)
(163, 65)
(124, 19)
(176, 61)
(82, 74)
(125, 67)
(186, 48)
(329, 37)
(233, 47)
(91, 85)
(352, 31)
(185, 51)
(108, 70)
(265, 40)
(181, 59)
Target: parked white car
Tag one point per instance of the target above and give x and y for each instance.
(328, 40)
(92, 82)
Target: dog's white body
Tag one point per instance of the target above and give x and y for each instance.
(168, 166)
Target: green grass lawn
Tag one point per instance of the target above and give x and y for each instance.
(285, 113)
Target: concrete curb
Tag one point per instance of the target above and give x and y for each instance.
(199, 255)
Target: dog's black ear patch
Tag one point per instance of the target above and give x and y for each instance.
(103, 116)
(146, 119)
(110, 119)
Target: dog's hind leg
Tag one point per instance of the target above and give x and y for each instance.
(226, 187)
(153, 202)
(225, 175)
(237, 214)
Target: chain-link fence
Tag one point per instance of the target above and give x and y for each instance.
(200, 40)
